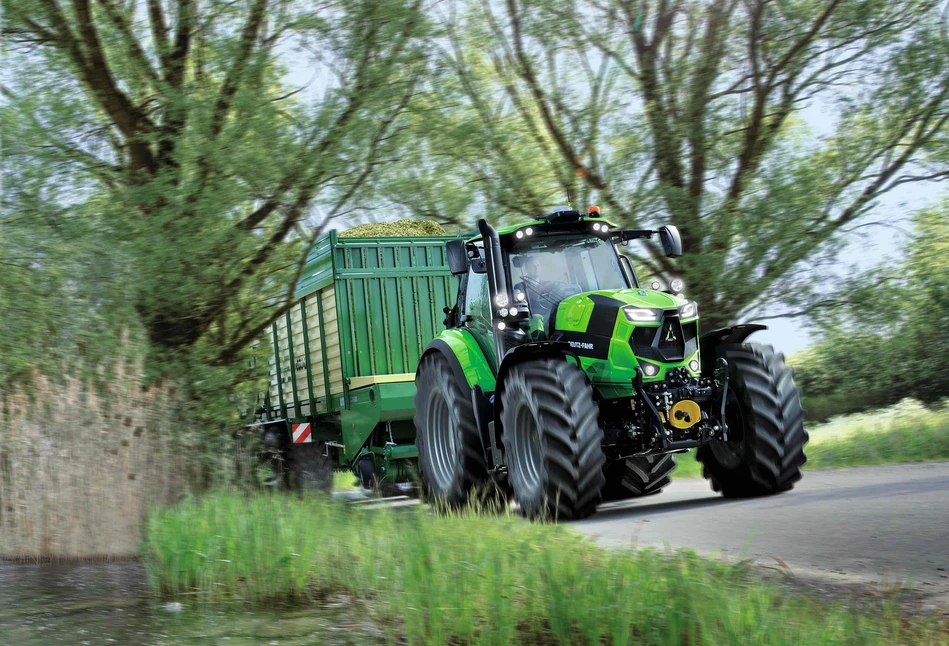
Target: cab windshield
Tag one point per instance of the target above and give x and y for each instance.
(549, 269)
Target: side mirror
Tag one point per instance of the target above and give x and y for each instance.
(671, 241)
(457, 256)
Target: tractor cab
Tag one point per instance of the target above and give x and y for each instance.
(519, 279)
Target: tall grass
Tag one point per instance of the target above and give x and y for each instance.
(905, 432)
(469, 579)
(79, 467)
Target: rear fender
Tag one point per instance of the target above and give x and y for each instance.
(465, 357)
(471, 369)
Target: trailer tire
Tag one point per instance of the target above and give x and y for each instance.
(552, 439)
(311, 467)
(766, 436)
(638, 476)
(451, 455)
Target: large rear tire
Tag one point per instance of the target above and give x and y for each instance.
(766, 437)
(451, 454)
(640, 476)
(552, 440)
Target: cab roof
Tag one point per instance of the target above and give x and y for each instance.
(561, 221)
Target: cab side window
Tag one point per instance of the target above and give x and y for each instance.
(478, 313)
(477, 299)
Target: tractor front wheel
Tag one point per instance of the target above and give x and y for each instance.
(552, 440)
(451, 455)
(765, 448)
(638, 476)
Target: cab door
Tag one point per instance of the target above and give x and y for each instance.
(477, 314)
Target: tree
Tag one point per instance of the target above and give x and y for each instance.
(887, 336)
(166, 128)
(689, 112)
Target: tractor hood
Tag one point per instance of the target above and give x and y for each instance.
(600, 308)
(661, 335)
(600, 312)
(640, 297)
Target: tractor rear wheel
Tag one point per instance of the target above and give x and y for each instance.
(552, 440)
(766, 437)
(639, 476)
(451, 455)
(311, 467)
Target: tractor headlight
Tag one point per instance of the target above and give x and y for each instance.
(501, 300)
(677, 285)
(649, 369)
(642, 314)
(694, 365)
(689, 310)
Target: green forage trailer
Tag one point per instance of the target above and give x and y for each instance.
(343, 359)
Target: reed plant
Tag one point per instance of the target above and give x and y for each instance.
(80, 465)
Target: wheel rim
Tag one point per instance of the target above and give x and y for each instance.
(444, 445)
(729, 454)
(528, 455)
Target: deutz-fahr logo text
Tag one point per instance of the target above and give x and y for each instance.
(580, 345)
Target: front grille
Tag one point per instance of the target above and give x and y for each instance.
(671, 341)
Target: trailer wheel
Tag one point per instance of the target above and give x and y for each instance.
(766, 437)
(638, 476)
(552, 440)
(311, 467)
(451, 455)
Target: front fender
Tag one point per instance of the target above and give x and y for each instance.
(734, 335)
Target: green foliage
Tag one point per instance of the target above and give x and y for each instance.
(889, 337)
(470, 579)
(184, 174)
(906, 432)
(686, 113)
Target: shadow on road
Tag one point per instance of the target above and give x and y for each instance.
(655, 505)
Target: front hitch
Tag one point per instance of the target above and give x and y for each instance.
(708, 429)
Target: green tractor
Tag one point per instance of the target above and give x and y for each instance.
(561, 380)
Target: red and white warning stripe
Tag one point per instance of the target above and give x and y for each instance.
(301, 434)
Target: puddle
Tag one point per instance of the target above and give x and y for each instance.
(108, 603)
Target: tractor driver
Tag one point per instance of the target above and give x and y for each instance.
(542, 295)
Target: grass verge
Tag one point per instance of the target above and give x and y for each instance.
(469, 579)
(906, 432)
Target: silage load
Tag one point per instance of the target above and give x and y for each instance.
(399, 228)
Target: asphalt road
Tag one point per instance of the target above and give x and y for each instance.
(862, 527)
